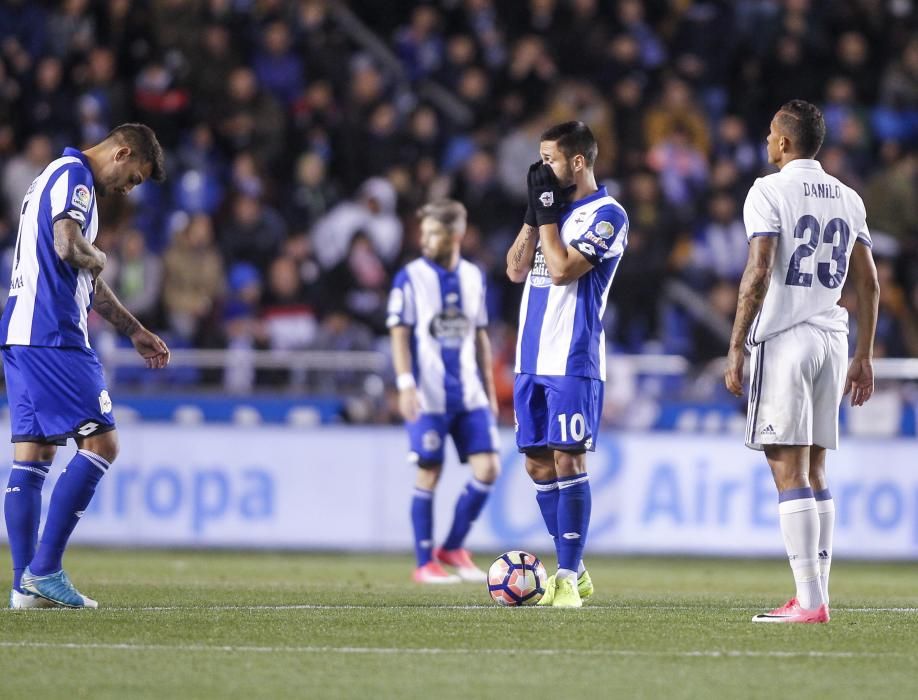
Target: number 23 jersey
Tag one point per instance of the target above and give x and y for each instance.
(817, 221)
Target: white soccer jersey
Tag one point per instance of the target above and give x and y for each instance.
(560, 331)
(445, 309)
(817, 221)
(49, 300)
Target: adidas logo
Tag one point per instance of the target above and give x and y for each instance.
(768, 430)
(571, 535)
(824, 554)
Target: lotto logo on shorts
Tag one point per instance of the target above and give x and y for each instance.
(105, 402)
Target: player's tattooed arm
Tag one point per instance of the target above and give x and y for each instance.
(522, 253)
(753, 286)
(752, 291)
(148, 345)
(75, 250)
(106, 304)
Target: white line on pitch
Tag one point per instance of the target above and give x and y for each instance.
(586, 608)
(433, 651)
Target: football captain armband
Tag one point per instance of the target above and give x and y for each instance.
(405, 381)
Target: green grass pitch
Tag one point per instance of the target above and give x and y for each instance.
(250, 625)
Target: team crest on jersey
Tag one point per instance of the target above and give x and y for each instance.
(80, 197)
(604, 229)
(105, 402)
(547, 198)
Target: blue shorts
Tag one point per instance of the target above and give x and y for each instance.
(472, 432)
(557, 413)
(55, 394)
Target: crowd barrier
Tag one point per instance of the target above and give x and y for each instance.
(337, 487)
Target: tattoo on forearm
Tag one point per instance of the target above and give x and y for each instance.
(522, 242)
(753, 288)
(108, 307)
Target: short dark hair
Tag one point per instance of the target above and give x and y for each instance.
(803, 123)
(143, 144)
(449, 212)
(574, 138)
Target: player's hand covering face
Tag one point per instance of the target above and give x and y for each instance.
(545, 195)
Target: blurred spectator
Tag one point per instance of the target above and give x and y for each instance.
(372, 213)
(311, 195)
(419, 45)
(890, 199)
(251, 119)
(682, 168)
(193, 282)
(22, 169)
(899, 85)
(136, 276)
(719, 247)
(49, 103)
(71, 28)
(359, 284)
(288, 321)
(253, 232)
(277, 66)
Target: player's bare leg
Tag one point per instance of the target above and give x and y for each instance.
(825, 508)
(485, 469)
(22, 510)
(790, 467)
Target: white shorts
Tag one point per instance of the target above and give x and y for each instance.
(798, 377)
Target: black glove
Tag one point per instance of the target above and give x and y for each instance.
(545, 197)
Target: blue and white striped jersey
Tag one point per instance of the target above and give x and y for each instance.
(50, 300)
(560, 331)
(445, 309)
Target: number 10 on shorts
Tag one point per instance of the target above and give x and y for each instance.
(576, 426)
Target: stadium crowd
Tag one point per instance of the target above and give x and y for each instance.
(298, 148)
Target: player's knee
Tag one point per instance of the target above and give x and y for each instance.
(428, 477)
(540, 466)
(485, 467)
(34, 452)
(569, 463)
(104, 445)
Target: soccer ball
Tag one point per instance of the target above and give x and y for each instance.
(516, 578)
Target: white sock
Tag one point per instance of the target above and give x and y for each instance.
(580, 568)
(826, 511)
(800, 527)
(565, 573)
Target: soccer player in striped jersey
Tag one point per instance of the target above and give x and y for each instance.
(805, 230)
(567, 252)
(53, 377)
(442, 359)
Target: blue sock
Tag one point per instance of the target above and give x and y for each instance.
(422, 522)
(574, 503)
(547, 498)
(70, 498)
(468, 507)
(22, 509)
